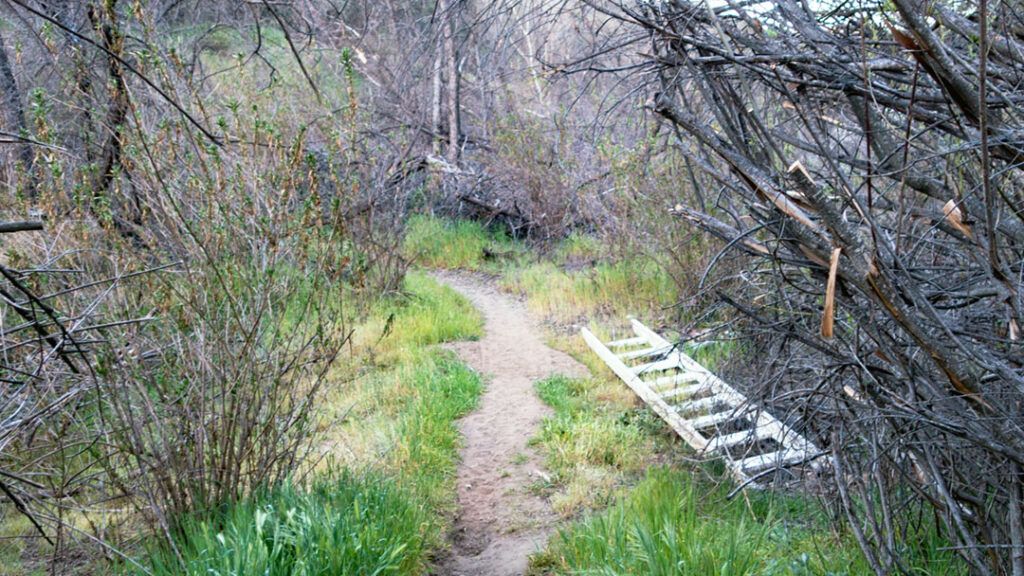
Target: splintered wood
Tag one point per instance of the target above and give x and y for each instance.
(703, 410)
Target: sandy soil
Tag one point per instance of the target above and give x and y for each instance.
(501, 520)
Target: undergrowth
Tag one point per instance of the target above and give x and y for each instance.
(383, 497)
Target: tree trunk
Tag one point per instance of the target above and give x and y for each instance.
(111, 156)
(435, 120)
(14, 117)
(450, 10)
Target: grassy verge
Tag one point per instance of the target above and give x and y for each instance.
(597, 443)
(672, 524)
(574, 280)
(381, 500)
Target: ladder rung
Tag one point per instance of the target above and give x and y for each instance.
(730, 440)
(681, 378)
(704, 403)
(683, 391)
(666, 364)
(778, 459)
(654, 350)
(718, 418)
(635, 341)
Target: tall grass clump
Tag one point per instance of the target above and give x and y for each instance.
(638, 286)
(436, 242)
(349, 525)
(657, 531)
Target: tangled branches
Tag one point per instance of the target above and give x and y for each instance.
(869, 167)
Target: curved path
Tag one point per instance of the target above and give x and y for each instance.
(501, 521)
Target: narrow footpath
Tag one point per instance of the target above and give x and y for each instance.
(501, 518)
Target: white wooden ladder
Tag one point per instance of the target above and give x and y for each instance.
(703, 410)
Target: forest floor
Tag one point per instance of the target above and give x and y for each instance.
(502, 517)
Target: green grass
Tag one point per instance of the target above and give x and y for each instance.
(398, 415)
(594, 444)
(618, 289)
(577, 278)
(352, 525)
(457, 244)
(426, 442)
(671, 524)
(16, 542)
(428, 313)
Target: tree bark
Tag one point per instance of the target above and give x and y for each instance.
(450, 11)
(435, 120)
(111, 156)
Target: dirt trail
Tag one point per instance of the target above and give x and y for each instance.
(500, 520)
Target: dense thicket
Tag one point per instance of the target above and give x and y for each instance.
(866, 160)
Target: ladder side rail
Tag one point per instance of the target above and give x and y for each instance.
(651, 398)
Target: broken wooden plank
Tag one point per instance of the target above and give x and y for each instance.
(685, 391)
(717, 418)
(626, 342)
(657, 366)
(776, 459)
(681, 378)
